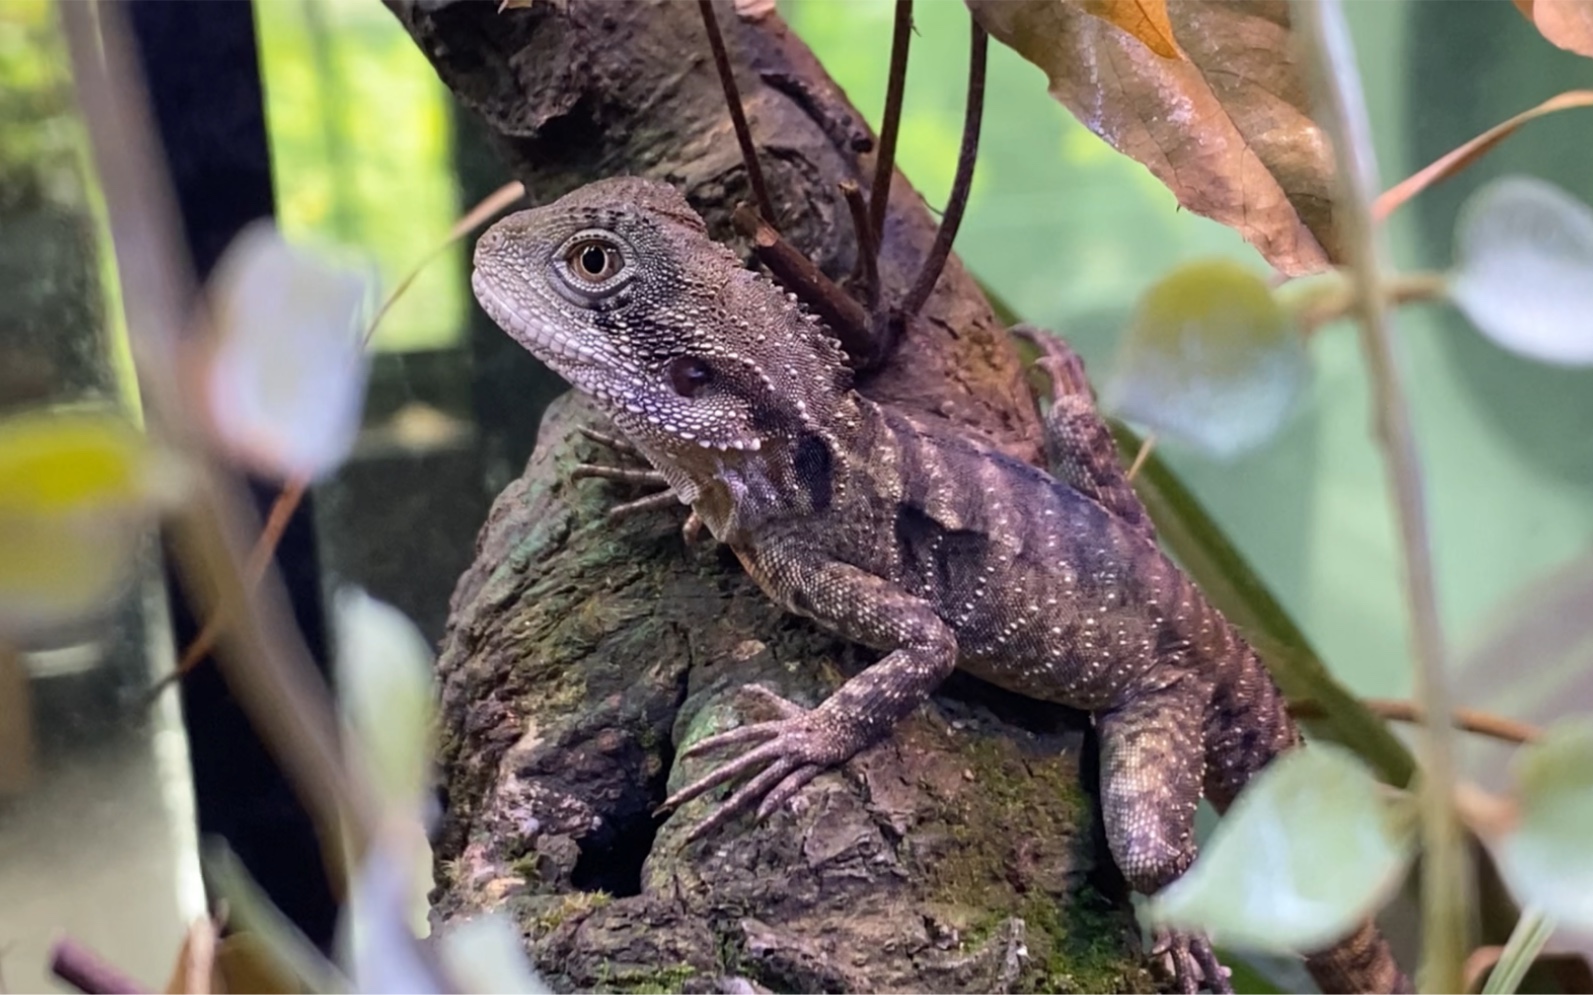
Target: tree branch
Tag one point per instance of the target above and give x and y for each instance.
(796, 271)
(1470, 719)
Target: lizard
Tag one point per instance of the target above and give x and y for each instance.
(907, 535)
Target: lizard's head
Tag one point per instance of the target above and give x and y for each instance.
(618, 288)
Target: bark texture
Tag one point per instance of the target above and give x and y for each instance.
(962, 854)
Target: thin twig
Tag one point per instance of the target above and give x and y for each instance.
(738, 117)
(895, 88)
(1469, 719)
(1337, 302)
(86, 971)
(1446, 884)
(867, 247)
(967, 155)
(840, 310)
(1146, 447)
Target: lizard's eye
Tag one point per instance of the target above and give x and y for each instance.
(593, 261)
(688, 375)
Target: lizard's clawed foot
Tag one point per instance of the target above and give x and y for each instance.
(1058, 362)
(1192, 962)
(691, 531)
(792, 750)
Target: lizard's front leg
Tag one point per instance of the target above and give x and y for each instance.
(628, 475)
(789, 751)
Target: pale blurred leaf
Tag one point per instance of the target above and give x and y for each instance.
(285, 382)
(77, 488)
(385, 692)
(381, 951)
(245, 964)
(1566, 23)
(1310, 848)
(487, 954)
(1226, 126)
(1209, 358)
(1546, 859)
(1524, 269)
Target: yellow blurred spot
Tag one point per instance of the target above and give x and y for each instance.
(75, 489)
(61, 462)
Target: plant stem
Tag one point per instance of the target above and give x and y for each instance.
(738, 117)
(1446, 884)
(1526, 942)
(967, 156)
(1468, 719)
(867, 246)
(895, 86)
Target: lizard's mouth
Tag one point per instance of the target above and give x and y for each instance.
(545, 340)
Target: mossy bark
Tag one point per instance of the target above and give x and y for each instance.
(963, 854)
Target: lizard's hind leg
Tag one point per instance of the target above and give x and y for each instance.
(1152, 762)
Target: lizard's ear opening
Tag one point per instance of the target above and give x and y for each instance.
(688, 375)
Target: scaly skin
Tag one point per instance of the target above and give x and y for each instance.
(901, 534)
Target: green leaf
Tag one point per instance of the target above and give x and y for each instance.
(1524, 269)
(1308, 850)
(1527, 940)
(1546, 858)
(1210, 358)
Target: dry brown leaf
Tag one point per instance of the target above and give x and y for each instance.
(1568, 24)
(1144, 19)
(1453, 162)
(1226, 128)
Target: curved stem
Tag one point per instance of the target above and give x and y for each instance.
(967, 155)
(738, 117)
(885, 162)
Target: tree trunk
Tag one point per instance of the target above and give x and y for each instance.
(962, 854)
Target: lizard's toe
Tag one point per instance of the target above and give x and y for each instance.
(1191, 962)
(786, 753)
(1061, 365)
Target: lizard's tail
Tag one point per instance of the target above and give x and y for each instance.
(1362, 961)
